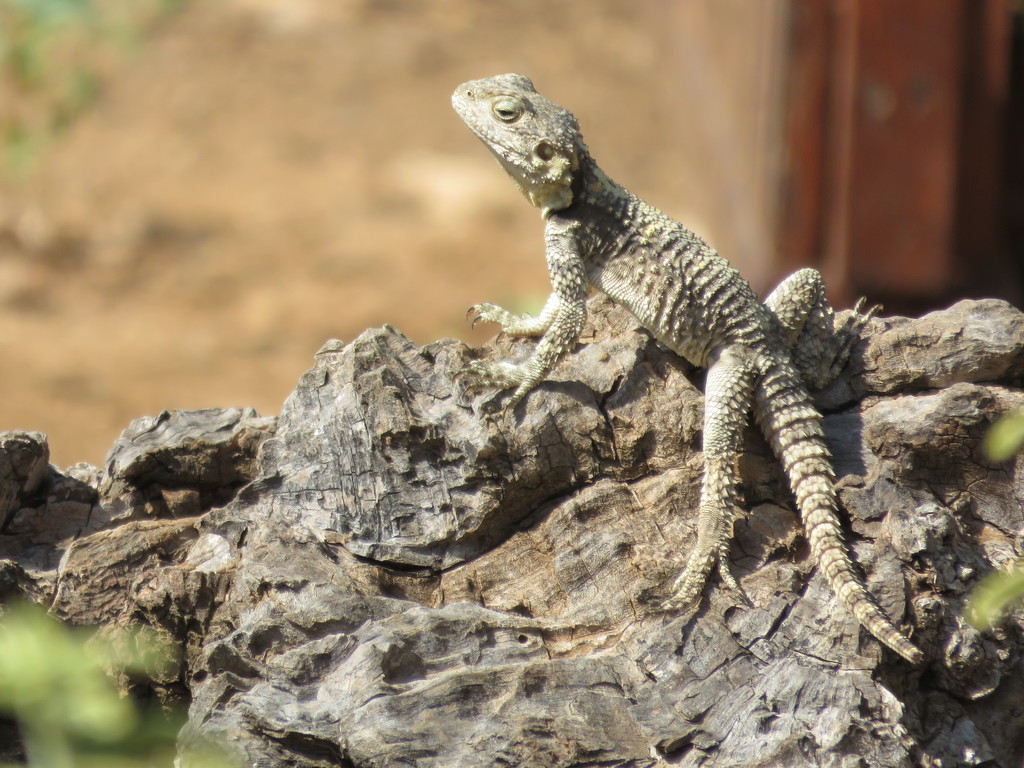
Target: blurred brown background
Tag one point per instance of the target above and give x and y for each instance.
(196, 194)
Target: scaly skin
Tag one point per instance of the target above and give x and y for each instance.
(761, 358)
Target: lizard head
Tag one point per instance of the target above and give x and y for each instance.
(537, 142)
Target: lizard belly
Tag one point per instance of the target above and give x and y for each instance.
(648, 306)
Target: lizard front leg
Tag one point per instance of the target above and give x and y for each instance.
(559, 324)
(730, 383)
(513, 324)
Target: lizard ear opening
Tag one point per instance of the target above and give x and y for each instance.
(544, 151)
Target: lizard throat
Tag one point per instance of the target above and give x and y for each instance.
(549, 187)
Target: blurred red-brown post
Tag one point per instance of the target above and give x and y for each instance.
(893, 148)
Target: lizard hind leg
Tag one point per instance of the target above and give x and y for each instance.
(819, 348)
(730, 382)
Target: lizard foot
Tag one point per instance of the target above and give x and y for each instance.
(851, 328)
(481, 374)
(488, 313)
(688, 586)
(846, 337)
(511, 324)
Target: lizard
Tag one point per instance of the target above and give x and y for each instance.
(761, 358)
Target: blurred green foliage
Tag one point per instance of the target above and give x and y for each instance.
(54, 681)
(994, 596)
(51, 56)
(1006, 437)
(1000, 590)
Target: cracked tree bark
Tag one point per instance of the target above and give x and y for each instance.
(391, 574)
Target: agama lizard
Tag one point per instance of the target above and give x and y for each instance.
(761, 358)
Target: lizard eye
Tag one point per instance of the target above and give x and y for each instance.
(507, 110)
(544, 151)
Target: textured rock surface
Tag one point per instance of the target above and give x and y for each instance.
(393, 574)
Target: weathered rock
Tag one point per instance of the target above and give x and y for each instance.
(183, 463)
(92, 543)
(378, 446)
(24, 459)
(972, 341)
(414, 577)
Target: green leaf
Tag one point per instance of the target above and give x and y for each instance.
(1006, 437)
(994, 596)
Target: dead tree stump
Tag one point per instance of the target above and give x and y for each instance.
(393, 574)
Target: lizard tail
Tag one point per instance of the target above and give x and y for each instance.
(794, 429)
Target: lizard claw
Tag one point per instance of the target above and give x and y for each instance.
(473, 315)
(676, 603)
(487, 313)
(688, 586)
(726, 575)
(861, 318)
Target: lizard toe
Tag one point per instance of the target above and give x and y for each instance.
(481, 374)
